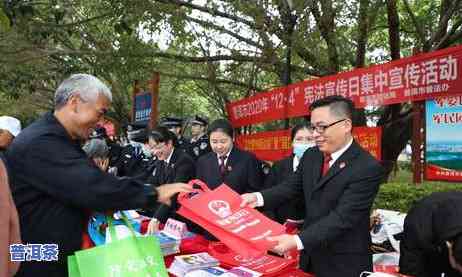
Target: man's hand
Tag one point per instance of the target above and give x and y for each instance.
(165, 192)
(249, 200)
(284, 243)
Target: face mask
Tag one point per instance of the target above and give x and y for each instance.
(300, 148)
(146, 152)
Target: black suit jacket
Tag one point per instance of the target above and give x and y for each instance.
(243, 172)
(428, 225)
(335, 235)
(281, 171)
(54, 185)
(179, 169)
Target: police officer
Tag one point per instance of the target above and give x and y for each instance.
(199, 140)
(175, 125)
(134, 158)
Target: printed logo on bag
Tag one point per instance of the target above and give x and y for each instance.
(242, 259)
(220, 208)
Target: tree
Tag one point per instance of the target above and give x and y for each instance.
(217, 51)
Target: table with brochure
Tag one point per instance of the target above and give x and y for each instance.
(173, 251)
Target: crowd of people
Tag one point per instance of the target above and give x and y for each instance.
(64, 167)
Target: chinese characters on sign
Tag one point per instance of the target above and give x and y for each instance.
(443, 141)
(34, 252)
(276, 145)
(419, 77)
(143, 107)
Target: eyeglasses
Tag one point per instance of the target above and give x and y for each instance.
(320, 129)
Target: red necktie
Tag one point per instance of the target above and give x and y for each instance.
(325, 164)
(222, 165)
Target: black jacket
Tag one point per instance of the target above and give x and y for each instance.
(335, 234)
(199, 147)
(179, 169)
(428, 225)
(295, 210)
(55, 186)
(243, 171)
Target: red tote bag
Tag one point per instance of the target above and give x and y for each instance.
(244, 230)
(267, 265)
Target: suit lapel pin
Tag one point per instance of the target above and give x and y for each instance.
(229, 168)
(342, 165)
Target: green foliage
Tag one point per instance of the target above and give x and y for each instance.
(4, 21)
(399, 194)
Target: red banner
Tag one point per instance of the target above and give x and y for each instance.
(276, 145)
(419, 77)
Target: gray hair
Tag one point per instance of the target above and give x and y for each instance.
(96, 148)
(88, 87)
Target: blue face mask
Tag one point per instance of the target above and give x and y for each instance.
(300, 148)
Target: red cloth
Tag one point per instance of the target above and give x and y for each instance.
(325, 164)
(86, 241)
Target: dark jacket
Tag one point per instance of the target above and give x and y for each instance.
(295, 210)
(129, 160)
(335, 234)
(179, 169)
(54, 186)
(199, 147)
(428, 225)
(243, 171)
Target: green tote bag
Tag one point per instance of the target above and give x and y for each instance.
(128, 257)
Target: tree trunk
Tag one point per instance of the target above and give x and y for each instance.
(395, 125)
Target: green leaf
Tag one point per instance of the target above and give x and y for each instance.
(4, 21)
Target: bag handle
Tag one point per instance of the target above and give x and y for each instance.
(112, 231)
(111, 228)
(183, 196)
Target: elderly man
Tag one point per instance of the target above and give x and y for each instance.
(55, 185)
(339, 181)
(9, 128)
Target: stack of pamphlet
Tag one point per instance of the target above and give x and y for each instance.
(168, 244)
(218, 271)
(187, 263)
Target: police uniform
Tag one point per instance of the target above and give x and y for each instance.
(131, 160)
(170, 122)
(201, 146)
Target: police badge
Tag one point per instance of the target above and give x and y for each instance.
(203, 145)
(196, 151)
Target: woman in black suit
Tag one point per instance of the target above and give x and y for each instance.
(294, 212)
(238, 169)
(172, 165)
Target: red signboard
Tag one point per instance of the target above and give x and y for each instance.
(419, 77)
(276, 145)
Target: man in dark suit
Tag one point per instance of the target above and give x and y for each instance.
(55, 185)
(432, 238)
(339, 181)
